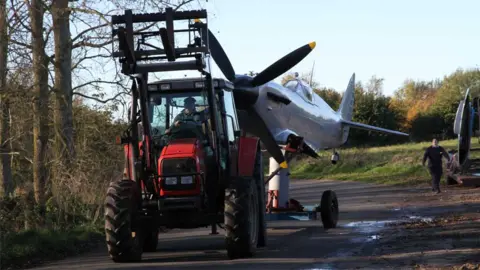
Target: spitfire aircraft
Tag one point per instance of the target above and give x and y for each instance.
(292, 114)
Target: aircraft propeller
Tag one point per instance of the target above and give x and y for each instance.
(270, 73)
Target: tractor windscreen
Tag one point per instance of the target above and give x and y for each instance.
(166, 108)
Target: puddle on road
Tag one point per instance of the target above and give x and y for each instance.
(418, 218)
(369, 232)
(365, 239)
(318, 269)
(323, 266)
(369, 226)
(370, 229)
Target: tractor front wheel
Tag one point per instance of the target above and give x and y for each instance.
(124, 245)
(241, 217)
(329, 209)
(151, 240)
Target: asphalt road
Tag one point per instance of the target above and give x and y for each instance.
(292, 244)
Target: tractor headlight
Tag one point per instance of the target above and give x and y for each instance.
(186, 180)
(171, 180)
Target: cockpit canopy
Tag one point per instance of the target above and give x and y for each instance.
(301, 88)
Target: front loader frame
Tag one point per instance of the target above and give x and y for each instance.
(132, 61)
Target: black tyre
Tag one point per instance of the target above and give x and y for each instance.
(259, 179)
(329, 209)
(120, 210)
(151, 240)
(241, 217)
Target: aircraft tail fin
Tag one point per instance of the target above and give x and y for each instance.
(346, 112)
(346, 106)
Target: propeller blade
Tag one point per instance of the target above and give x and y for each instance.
(219, 55)
(283, 64)
(261, 130)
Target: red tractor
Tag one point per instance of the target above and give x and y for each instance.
(187, 163)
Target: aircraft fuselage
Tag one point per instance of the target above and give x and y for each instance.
(307, 116)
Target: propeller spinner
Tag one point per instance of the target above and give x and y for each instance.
(270, 73)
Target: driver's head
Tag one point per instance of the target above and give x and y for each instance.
(189, 104)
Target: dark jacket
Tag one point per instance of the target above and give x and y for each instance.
(196, 116)
(434, 155)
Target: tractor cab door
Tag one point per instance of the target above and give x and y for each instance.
(232, 127)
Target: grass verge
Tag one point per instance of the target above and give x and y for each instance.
(399, 165)
(34, 247)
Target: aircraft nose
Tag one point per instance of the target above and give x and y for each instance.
(245, 97)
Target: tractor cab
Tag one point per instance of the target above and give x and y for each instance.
(181, 128)
(178, 116)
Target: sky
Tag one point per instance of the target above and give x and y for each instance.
(394, 40)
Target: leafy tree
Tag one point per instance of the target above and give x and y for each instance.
(331, 97)
(372, 108)
(414, 98)
(452, 92)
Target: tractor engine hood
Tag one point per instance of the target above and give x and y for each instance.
(180, 147)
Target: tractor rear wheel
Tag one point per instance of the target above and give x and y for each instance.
(259, 179)
(124, 245)
(329, 209)
(241, 217)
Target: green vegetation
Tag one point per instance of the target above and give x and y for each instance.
(32, 247)
(71, 221)
(394, 165)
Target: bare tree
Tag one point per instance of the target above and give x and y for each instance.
(41, 99)
(5, 167)
(65, 150)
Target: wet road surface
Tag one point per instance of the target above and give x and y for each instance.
(364, 210)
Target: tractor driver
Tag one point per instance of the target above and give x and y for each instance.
(189, 113)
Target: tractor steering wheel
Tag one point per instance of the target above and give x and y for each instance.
(188, 126)
(175, 129)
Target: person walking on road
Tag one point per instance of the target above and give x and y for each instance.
(434, 154)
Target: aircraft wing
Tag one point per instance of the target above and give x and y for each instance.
(371, 128)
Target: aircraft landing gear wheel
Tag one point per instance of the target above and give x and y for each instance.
(329, 209)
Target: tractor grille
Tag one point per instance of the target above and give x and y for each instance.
(176, 168)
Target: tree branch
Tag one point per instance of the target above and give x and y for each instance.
(88, 30)
(97, 81)
(21, 44)
(18, 17)
(88, 58)
(100, 100)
